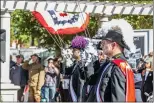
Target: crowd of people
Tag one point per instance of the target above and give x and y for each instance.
(106, 79)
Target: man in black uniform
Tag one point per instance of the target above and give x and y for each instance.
(79, 73)
(92, 79)
(115, 81)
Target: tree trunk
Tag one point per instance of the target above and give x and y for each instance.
(38, 43)
(32, 41)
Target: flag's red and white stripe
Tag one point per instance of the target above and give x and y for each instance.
(47, 21)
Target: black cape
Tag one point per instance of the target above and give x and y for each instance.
(79, 74)
(111, 88)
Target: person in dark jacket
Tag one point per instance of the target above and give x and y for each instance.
(79, 72)
(138, 86)
(100, 61)
(12, 63)
(92, 79)
(138, 79)
(19, 76)
(115, 81)
(147, 77)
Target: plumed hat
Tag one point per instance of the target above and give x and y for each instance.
(79, 42)
(119, 31)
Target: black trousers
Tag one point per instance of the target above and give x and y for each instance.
(20, 93)
(64, 93)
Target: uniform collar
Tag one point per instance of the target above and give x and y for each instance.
(119, 56)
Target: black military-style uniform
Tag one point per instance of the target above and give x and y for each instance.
(147, 86)
(79, 74)
(113, 84)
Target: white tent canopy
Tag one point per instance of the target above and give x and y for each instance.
(108, 8)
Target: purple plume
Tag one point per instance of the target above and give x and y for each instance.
(79, 42)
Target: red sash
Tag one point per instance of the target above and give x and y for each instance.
(130, 84)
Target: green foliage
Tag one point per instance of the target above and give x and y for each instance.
(24, 27)
(137, 21)
(94, 24)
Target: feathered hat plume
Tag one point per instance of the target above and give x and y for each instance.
(79, 42)
(122, 27)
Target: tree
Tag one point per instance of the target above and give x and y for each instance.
(24, 27)
(137, 21)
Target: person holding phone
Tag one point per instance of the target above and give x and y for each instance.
(51, 73)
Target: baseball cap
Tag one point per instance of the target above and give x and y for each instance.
(20, 56)
(34, 55)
